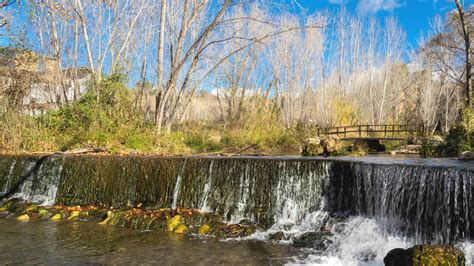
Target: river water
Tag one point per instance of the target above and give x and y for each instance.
(79, 243)
(387, 202)
(85, 243)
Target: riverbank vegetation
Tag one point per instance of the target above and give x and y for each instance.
(185, 77)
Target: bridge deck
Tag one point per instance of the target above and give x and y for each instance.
(370, 132)
(373, 139)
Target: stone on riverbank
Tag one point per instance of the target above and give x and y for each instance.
(311, 147)
(424, 255)
(467, 156)
(329, 145)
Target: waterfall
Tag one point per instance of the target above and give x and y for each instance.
(177, 186)
(42, 186)
(176, 192)
(298, 195)
(243, 196)
(31, 179)
(8, 178)
(429, 204)
(207, 189)
(426, 201)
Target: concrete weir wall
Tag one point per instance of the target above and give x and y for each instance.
(429, 200)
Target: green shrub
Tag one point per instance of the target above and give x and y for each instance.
(460, 137)
(428, 149)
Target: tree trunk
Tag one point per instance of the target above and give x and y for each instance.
(467, 47)
(159, 74)
(88, 47)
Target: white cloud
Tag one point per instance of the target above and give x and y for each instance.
(373, 6)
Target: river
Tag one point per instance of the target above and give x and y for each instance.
(386, 203)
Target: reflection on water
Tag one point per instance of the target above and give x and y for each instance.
(89, 243)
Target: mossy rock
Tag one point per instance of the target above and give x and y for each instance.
(56, 217)
(234, 230)
(30, 208)
(204, 229)
(426, 255)
(44, 214)
(278, 236)
(23, 218)
(181, 229)
(98, 215)
(16, 206)
(74, 215)
(172, 223)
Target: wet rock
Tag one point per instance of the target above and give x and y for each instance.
(74, 215)
(17, 207)
(398, 256)
(246, 222)
(235, 230)
(204, 229)
(98, 215)
(425, 255)
(316, 240)
(173, 223)
(56, 217)
(278, 236)
(181, 229)
(23, 218)
(30, 208)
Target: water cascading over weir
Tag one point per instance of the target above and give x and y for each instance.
(428, 202)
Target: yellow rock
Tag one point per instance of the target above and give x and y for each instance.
(204, 229)
(23, 217)
(56, 217)
(173, 223)
(109, 215)
(31, 208)
(73, 215)
(181, 229)
(3, 209)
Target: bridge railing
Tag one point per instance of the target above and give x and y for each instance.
(360, 131)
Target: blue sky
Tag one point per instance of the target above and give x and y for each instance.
(413, 15)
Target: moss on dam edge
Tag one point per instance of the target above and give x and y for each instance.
(180, 220)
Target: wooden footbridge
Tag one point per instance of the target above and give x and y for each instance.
(370, 132)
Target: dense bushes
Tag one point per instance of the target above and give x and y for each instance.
(111, 121)
(460, 138)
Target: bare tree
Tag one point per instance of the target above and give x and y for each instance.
(465, 25)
